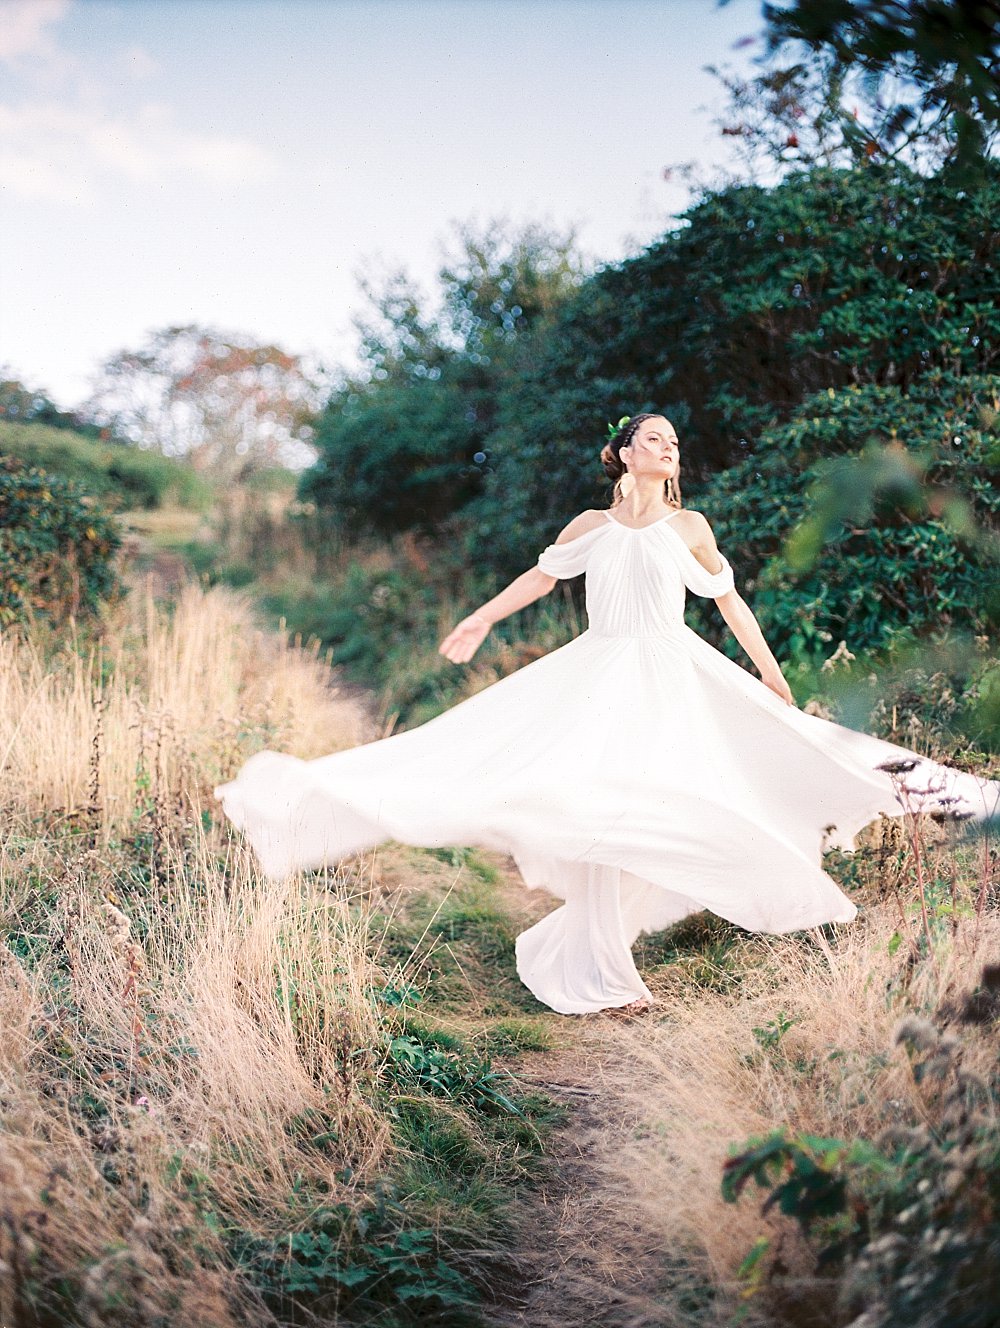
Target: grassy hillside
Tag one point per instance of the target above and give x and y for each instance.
(124, 477)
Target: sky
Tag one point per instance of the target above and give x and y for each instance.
(239, 163)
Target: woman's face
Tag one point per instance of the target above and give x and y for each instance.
(653, 449)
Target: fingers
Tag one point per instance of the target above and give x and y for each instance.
(456, 649)
(462, 643)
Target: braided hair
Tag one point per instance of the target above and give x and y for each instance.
(614, 467)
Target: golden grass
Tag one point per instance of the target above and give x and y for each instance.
(712, 1068)
(166, 701)
(181, 1037)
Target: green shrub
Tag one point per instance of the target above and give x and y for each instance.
(369, 1263)
(461, 1078)
(57, 546)
(761, 298)
(834, 539)
(905, 1229)
(120, 475)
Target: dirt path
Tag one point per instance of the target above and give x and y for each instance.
(583, 1257)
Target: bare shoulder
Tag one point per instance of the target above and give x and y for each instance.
(582, 525)
(694, 528)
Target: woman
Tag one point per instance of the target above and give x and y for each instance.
(635, 772)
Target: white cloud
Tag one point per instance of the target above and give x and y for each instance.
(23, 29)
(65, 153)
(61, 143)
(139, 63)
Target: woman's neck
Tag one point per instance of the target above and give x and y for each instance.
(647, 497)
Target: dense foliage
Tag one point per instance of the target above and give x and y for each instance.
(836, 538)
(762, 297)
(906, 1229)
(406, 443)
(827, 351)
(57, 546)
(929, 67)
(118, 474)
(831, 279)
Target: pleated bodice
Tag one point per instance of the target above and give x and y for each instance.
(637, 578)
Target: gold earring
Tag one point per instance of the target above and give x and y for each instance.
(626, 484)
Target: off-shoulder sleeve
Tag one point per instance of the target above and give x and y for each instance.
(708, 584)
(697, 578)
(570, 559)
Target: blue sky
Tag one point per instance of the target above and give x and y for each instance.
(239, 162)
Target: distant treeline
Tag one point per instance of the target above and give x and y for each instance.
(118, 474)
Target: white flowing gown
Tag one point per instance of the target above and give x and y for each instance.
(635, 772)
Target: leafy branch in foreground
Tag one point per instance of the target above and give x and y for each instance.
(906, 1226)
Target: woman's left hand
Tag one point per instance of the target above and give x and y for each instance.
(778, 686)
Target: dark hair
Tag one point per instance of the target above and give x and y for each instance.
(614, 467)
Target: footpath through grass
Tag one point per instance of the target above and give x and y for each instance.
(332, 1101)
(228, 1100)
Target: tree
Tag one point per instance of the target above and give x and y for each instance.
(860, 80)
(224, 403)
(760, 298)
(404, 444)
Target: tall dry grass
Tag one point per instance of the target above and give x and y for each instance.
(181, 1039)
(171, 699)
(803, 1037)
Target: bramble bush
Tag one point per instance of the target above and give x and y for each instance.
(905, 1229)
(57, 546)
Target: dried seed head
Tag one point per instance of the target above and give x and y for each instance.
(917, 1033)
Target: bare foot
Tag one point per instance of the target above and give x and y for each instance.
(641, 1006)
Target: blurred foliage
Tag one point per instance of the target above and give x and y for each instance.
(831, 279)
(761, 298)
(927, 70)
(406, 443)
(906, 1229)
(222, 402)
(57, 547)
(400, 456)
(20, 404)
(382, 610)
(120, 475)
(871, 517)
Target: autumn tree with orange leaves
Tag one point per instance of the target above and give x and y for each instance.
(224, 403)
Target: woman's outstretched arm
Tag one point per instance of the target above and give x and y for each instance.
(462, 643)
(737, 612)
(464, 640)
(745, 627)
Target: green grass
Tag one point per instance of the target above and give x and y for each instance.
(126, 476)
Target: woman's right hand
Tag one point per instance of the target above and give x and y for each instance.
(464, 640)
